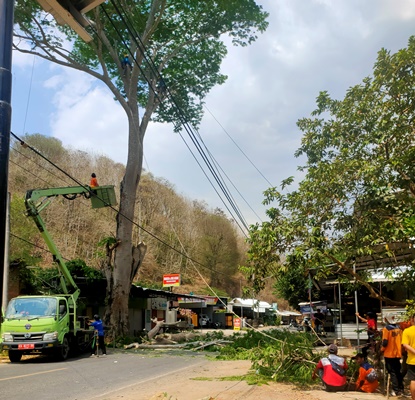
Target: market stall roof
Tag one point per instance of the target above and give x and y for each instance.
(254, 304)
(141, 292)
(378, 276)
(315, 303)
(401, 253)
(287, 313)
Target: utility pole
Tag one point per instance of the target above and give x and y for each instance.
(6, 35)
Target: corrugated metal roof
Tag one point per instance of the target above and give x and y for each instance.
(139, 291)
(255, 305)
(287, 313)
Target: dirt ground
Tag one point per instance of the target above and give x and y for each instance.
(203, 382)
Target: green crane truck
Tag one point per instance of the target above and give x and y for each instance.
(50, 324)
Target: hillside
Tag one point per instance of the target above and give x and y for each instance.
(183, 236)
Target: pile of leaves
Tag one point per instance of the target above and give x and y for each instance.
(276, 355)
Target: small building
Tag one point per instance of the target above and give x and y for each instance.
(287, 316)
(250, 308)
(145, 305)
(210, 310)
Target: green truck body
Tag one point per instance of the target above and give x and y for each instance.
(50, 324)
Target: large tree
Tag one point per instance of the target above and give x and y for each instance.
(184, 41)
(357, 198)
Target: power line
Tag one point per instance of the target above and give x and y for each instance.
(50, 172)
(236, 144)
(33, 244)
(29, 172)
(28, 96)
(185, 125)
(180, 113)
(110, 206)
(41, 166)
(189, 129)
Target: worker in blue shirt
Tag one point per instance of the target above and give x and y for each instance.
(99, 328)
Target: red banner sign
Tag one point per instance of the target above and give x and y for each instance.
(171, 280)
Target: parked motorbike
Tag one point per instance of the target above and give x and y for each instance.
(293, 324)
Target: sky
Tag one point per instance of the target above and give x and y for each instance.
(309, 46)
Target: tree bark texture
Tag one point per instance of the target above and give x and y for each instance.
(128, 257)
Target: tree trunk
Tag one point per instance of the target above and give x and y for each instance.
(127, 256)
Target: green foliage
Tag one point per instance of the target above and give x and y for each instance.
(209, 336)
(27, 279)
(219, 246)
(410, 309)
(50, 147)
(107, 241)
(184, 41)
(149, 284)
(46, 280)
(271, 320)
(214, 291)
(277, 355)
(357, 198)
(293, 286)
(126, 340)
(353, 371)
(78, 269)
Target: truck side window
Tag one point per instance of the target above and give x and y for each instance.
(62, 309)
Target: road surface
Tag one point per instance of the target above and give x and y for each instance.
(41, 378)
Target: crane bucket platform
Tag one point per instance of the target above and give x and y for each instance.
(103, 196)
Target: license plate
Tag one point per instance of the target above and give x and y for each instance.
(26, 346)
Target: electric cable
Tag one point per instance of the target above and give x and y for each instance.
(29, 172)
(108, 205)
(181, 115)
(161, 104)
(49, 184)
(189, 149)
(40, 166)
(236, 144)
(185, 126)
(28, 96)
(180, 111)
(184, 121)
(33, 244)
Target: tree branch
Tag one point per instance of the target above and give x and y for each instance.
(367, 285)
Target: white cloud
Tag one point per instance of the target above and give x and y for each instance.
(86, 116)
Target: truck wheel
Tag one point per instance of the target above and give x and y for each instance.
(63, 350)
(15, 356)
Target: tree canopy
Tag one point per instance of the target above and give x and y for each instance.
(357, 197)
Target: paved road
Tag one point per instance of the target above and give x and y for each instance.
(82, 378)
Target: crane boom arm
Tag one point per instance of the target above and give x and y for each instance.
(38, 199)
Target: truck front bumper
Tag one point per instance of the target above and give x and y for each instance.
(28, 347)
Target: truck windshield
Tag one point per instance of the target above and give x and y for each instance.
(31, 307)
